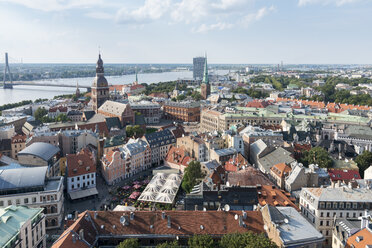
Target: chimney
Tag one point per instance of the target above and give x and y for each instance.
(73, 238)
(81, 234)
(350, 185)
(241, 221)
(169, 224)
(76, 215)
(196, 207)
(131, 215)
(244, 214)
(364, 219)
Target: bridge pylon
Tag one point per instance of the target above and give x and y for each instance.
(7, 72)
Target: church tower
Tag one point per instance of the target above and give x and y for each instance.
(205, 86)
(100, 89)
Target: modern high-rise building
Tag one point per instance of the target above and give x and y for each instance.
(100, 89)
(198, 67)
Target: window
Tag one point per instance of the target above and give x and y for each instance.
(33, 199)
(341, 215)
(347, 215)
(25, 200)
(327, 214)
(18, 201)
(321, 214)
(354, 215)
(9, 202)
(72, 180)
(321, 223)
(1, 203)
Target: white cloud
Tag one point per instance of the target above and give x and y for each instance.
(150, 11)
(253, 17)
(189, 10)
(326, 2)
(99, 15)
(55, 5)
(217, 26)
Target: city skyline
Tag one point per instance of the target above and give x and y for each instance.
(170, 31)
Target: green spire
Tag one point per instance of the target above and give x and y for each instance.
(136, 76)
(205, 76)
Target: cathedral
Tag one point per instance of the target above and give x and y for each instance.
(100, 89)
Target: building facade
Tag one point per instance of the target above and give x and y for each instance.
(159, 143)
(18, 144)
(198, 67)
(41, 154)
(81, 174)
(22, 226)
(182, 111)
(31, 187)
(322, 205)
(150, 111)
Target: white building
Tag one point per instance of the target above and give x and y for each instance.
(321, 206)
(22, 226)
(7, 132)
(29, 186)
(81, 174)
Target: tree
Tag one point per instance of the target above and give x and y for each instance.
(247, 240)
(62, 118)
(135, 130)
(129, 243)
(181, 97)
(40, 113)
(318, 155)
(173, 244)
(196, 96)
(201, 241)
(192, 173)
(363, 161)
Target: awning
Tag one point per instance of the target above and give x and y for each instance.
(83, 193)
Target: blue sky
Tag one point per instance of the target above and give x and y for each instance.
(174, 31)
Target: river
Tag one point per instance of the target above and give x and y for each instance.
(23, 92)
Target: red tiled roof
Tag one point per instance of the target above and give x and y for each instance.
(81, 163)
(137, 86)
(60, 108)
(258, 104)
(236, 163)
(250, 176)
(343, 175)
(159, 94)
(178, 155)
(361, 239)
(281, 169)
(183, 224)
(117, 87)
(271, 195)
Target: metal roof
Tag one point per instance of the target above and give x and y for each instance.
(22, 177)
(40, 149)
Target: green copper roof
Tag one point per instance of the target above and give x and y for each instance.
(205, 76)
(11, 220)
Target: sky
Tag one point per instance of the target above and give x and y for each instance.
(175, 31)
